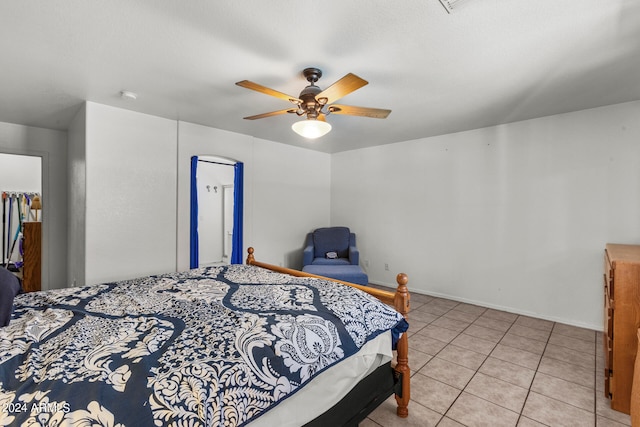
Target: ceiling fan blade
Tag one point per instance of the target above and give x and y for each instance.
(376, 113)
(263, 89)
(272, 113)
(341, 88)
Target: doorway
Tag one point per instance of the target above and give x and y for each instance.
(216, 211)
(22, 214)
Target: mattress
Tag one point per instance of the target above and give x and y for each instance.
(329, 387)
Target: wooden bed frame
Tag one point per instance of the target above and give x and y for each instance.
(399, 300)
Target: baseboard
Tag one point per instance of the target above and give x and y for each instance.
(598, 328)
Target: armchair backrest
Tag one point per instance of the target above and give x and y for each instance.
(331, 239)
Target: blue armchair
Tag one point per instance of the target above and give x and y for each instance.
(331, 246)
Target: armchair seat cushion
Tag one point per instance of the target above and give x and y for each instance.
(346, 273)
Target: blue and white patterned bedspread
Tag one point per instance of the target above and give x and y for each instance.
(211, 346)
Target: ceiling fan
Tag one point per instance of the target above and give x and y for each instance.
(316, 104)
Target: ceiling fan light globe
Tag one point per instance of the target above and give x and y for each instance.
(310, 128)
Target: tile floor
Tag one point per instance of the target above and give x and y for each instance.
(473, 366)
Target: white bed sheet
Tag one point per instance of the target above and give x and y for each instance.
(329, 387)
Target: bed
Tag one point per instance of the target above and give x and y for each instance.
(255, 345)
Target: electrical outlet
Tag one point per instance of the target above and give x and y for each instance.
(366, 263)
(386, 266)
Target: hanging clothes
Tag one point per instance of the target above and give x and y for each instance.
(5, 262)
(4, 224)
(16, 209)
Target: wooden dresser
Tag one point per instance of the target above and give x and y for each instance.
(32, 269)
(621, 321)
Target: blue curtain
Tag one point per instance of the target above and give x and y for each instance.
(238, 183)
(194, 258)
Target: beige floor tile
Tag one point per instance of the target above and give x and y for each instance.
(522, 343)
(534, 323)
(606, 422)
(426, 345)
(434, 309)
(567, 371)
(491, 323)
(367, 422)
(528, 422)
(588, 347)
(500, 315)
(453, 324)
(517, 356)
(476, 344)
(445, 302)
(574, 332)
(509, 372)
(485, 333)
(448, 372)
(448, 422)
(603, 409)
(415, 326)
(496, 391)
(419, 416)
(599, 381)
(462, 356)
(414, 304)
(473, 411)
(564, 391)
(417, 359)
(571, 356)
(422, 316)
(432, 394)
(470, 308)
(417, 298)
(527, 332)
(461, 315)
(439, 333)
(555, 413)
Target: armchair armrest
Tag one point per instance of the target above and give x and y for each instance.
(308, 252)
(354, 254)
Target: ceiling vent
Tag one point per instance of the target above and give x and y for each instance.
(450, 5)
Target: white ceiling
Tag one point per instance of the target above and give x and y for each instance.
(486, 63)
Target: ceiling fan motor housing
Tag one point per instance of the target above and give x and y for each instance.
(310, 106)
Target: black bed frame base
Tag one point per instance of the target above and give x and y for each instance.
(366, 396)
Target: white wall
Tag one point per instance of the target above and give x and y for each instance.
(286, 191)
(20, 173)
(513, 217)
(77, 162)
(291, 198)
(51, 146)
(127, 169)
(130, 194)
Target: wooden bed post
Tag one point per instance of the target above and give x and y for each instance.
(401, 303)
(250, 258)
